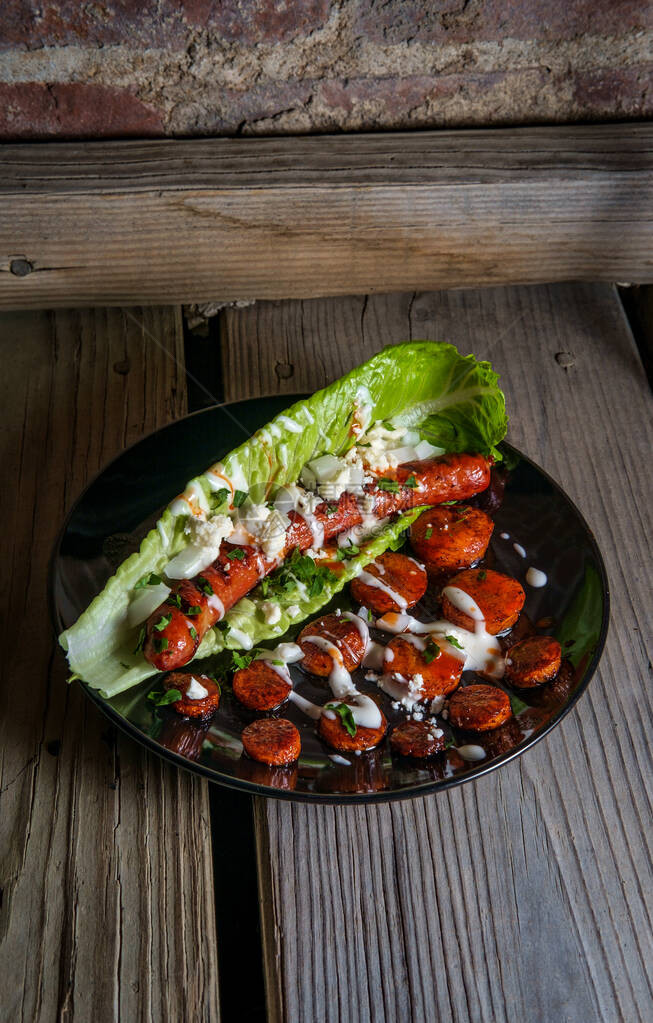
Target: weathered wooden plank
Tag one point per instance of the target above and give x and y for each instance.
(174, 221)
(523, 895)
(106, 874)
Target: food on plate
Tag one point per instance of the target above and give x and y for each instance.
(347, 727)
(433, 667)
(265, 538)
(479, 708)
(198, 697)
(449, 538)
(418, 739)
(261, 686)
(273, 741)
(480, 594)
(339, 639)
(392, 582)
(533, 661)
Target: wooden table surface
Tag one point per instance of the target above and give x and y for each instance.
(126, 886)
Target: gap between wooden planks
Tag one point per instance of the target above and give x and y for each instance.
(223, 219)
(523, 895)
(106, 909)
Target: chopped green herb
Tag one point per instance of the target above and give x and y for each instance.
(160, 699)
(411, 482)
(151, 579)
(482, 575)
(205, 585)
(194, 609)
(193, 632)
(347, 553)
(241, 660)
(446, 503)
(299, 568)
(431, 652)
(240, 496)
(332, 509)
(141, 639)
(449, 743)
(391, 486)
(370, 615)
(265, 586)
(222, 626)
(316, 586)
(279, 663)
(174, 600)
(454, 642)
(162, 622)
(346, 716)
(220, 496)
(428, 533)
(160, 643)
(237, 553)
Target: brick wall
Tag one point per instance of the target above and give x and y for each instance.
(119, 68)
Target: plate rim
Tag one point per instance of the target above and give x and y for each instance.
(331, 798)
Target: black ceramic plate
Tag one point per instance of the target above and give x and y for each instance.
(123, 502)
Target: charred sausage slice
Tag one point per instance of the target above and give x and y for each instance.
(200, 709)
(450, 538)
(402, 582)
(331, 631)
(425, 661)
(479, 708)
(533, 661)
(272, 741)
(334, 732)
(498, 597)
(417, 739)
(260, 687)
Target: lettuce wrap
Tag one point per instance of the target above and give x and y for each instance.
(453, 401)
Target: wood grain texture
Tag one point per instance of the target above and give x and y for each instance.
(106, 910)
(525, 895)
(175, 221)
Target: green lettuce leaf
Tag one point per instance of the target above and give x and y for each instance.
(454, 400)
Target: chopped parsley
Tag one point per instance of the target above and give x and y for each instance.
(240, 496)
(220, 496)
(428, 533)
(205, 585)
(174, 600)
(141, 639)
(151, 579)
(239, 661)
(482, 575)
(346, 716)
(237, 553)
(223, 626)
(454, 642)
(391, 486)
(431, 651)
(194, 609)
(265, 586)
(160, 643)
(411, 482)
(193, 632)
(347, 553)
(332, 509)
(160, 699)
(370, 615)
(162, 622)
(299, 568)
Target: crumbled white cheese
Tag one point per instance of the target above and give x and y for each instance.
(372, 676)
(271, 612)
(437, 703)
(210, 532)
(293, 611)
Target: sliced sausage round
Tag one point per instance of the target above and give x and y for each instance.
(417, 739)
(427, 662)
(334, 732)
(401, 583)
(331, 631)
(479, 708)
(260, 687)
(499, 598)
(196, 705)
(450, 538)
(533, 661)
(272, 741)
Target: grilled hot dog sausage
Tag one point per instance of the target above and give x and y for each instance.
(450, 538)
(499, 598)
(319, 638)
(533, 661)
(260, 687)
(189, 706)
(401, 583)
(415, 657)
(272, 741)
(479, 708)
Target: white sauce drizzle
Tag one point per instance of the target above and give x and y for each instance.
(471, 752)
(374, 655)
(240, 637)
(536, 578)
(520, 550)
(337, 759)
(196, 690)
(216, 605)
(371, 580)
(505, 536)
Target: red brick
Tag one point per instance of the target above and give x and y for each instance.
(34, 111)
(406, 21)
(33, 24)
(614, 92)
